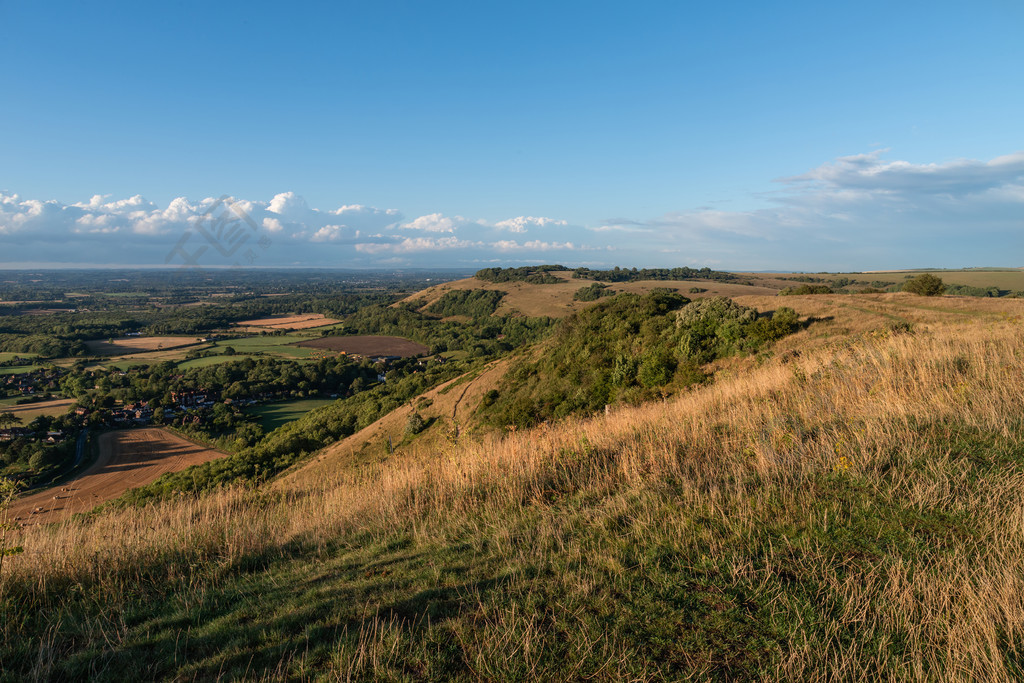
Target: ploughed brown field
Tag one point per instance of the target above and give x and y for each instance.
(367, 345)
(127, 459)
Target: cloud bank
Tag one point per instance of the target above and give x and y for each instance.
(855, 212)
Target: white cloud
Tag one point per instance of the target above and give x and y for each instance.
(335, 233)
(521, 224)
(855, 212)
(289, 205)
(434, 222)
(532, 245)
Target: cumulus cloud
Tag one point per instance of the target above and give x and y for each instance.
(861, 211)
(434, 222)
(522, 224)
(285, 230)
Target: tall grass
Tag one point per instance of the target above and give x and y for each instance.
(854, 513)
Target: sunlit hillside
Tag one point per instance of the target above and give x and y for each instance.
(844, 506)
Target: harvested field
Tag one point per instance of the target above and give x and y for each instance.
(367, 345)
(138, 344)
(127, 459)
(293, 322)
(29, 411)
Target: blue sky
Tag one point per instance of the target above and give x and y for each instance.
(799, 135)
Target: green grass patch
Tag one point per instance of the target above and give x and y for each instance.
(270, 345)
(273, 415)
(19, 369)
(10, 355)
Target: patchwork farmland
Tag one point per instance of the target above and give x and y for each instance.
(368, 345)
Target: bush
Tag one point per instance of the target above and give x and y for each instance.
(925, 284)
(592, 292)
(415, 424)
(806, 289)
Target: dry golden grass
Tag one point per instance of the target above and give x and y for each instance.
(291, 322)
(29, 411)
(746, 452)
(556, 300)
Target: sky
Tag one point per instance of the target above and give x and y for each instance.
(839, 136)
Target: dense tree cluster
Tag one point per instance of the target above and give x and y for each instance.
(535, 275)
(474, 303)
(592, 292)
(629, 348)
(486, 336)
(618, 274)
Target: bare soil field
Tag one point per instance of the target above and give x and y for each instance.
(138, 344)
(367, 345)
(127, 459)
(292, 322)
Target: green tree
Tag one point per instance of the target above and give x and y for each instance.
(925, 284)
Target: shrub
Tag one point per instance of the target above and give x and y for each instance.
(806, 289)
(925, 284)
(415, 424)
(592, 292)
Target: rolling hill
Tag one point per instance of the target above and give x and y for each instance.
(840, 503)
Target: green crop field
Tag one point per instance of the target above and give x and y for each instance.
(19, 369)
(211, 360)
(272, 345)
(8, 355)
(273, 415)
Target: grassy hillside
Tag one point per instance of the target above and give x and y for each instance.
(557, 299)
(851, 512)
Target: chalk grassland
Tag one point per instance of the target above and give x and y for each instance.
(850, 513)
(448, 408)
(30, 411)
(126, 459)
(556, 300)
(292, 322)
(1010, 279)
(138, 345)
(367, 345)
